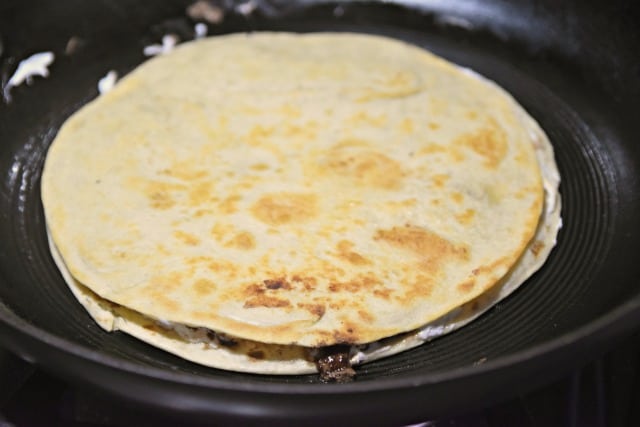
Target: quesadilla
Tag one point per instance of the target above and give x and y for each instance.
(282, 203)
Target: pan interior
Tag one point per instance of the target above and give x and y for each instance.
(581, 280)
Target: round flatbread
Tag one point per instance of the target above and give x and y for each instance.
(300, 190)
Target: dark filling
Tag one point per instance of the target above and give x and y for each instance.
(334, 365)
(221, 339)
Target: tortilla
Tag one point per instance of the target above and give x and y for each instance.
(295, 192)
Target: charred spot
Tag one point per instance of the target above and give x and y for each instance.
(266, 301)
(334, 364)
(276, 284)
(256, 354)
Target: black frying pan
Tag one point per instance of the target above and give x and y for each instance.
(573, 65)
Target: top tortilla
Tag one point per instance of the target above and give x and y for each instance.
(294, 189)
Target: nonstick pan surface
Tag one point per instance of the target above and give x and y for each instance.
(573, 66)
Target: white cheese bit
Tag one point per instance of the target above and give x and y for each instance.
(35, 65)
(246, 8)
(169, 41)
(429, 332)
(188, 333)
(200, 30)
(106, 83)
(358, 358)
(440, 326)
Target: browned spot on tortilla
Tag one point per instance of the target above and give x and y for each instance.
(406, 125)
(346, 253)
(466, 286)
(346, 336)
(434, 126)
(440, 179)
(258, 134)
(290, 111)
(366, 316)
(167, 303)
(466, 217)
(229, 269)
(218, 231)
(284, 208)
(186, 238)
(472, 115)
(362, 165)
(359, 284)
(254, 289)
(161, 200)
(266, 301)
(364, 117)
(431, 249)
(202, 212)
(456, 154)
(200, 193)
(160, 194)
(421, 287)
(383, 293)
(489, 268)
(308, 282)
(339, 303)
(432, 148)
(401, 204)
(457, 197)
(242, 240)
(306, 132)
(203, 287)
(536, 247)
(279, 283)
(259, 167)
(184, 171)
(165, 284)
(490, 142)
(229, 204)
(315, 309)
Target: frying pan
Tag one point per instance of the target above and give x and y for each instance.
(573, 65)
